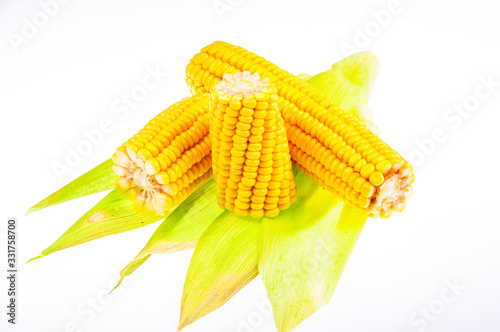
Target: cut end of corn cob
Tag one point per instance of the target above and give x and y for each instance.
(392, 195)
(328, 143)
(241, 83)
(251, 160)
(171, 156)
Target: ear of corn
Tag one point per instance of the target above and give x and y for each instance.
(342, 154)
(251, 160)
(165, 161)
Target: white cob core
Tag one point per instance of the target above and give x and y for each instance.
(392, 195)
(241, 83)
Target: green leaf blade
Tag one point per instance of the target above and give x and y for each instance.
(183, 228)
(348, 82)
(303, 252)
(224, 261)
(98, 179)
(112, 215)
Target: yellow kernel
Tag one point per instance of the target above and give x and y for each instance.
(363, 202)
(367, 189)
(240, 146)
(240, 212)
(377, 178)
(248, 120)
(261, 105)
(261, 185)
(352, 178)
(359, 164)
(277, 177)
(239, 139)
(259, 114)
(259, 97)
(346, 174)
(250, 168)
(250, 175)
(367, 170)
(230, 192)
(254, 147)
(244, 193)
(257, 213)
(241, 205)
(248, 182)
(257, 206)
(258, 199)
(272, 199)
(384, 214)
(264, 178)
(244, 187)
(256, 130)
(243, 126)
(265, 170)
(252, 162)
(256, 139)
(285, 206)
(260, 192)
(152, 166)
(245, 111)
(235, 104)
(249, 102)
(358, 183)
(253, 155)
(273, 192)
(340, 169)
(245, 133)
(272, 213)
(383, 166)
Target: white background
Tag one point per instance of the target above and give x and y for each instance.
(65, 78)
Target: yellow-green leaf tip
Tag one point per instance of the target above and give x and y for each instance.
(33, 259)
(118, 284)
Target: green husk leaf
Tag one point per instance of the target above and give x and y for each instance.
(130, 268)
(182, 229)
(224, 261)
(304, 250)
(348, 82)
(112, 215)
(98, 179)
(305, 77)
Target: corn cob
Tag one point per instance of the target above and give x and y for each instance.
(343, 155)
(250, 155)
(167, 159)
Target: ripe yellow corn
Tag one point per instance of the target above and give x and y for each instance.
(343, 155)
(167, 159)
(250, 154)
